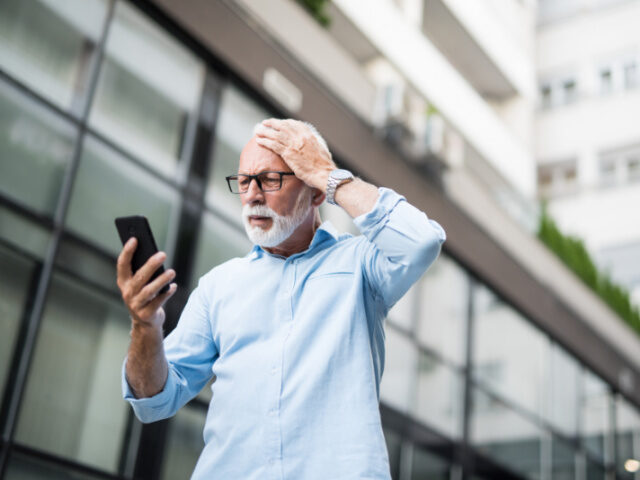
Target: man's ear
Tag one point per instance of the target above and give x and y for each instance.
(318, 197)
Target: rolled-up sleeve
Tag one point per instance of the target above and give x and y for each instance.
(403, 243)
(190, 352)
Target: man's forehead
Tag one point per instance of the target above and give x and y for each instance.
(255, 158)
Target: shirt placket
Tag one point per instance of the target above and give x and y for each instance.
(283, 324)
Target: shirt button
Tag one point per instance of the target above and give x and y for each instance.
(274, 370)
(272, 461)
(272, 413)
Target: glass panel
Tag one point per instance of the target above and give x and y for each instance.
(504, 435)
(73, 405)
(594, 414)
(75, 257)
(439, 396)
(565, 375)
(15, 276)
(238, 115)
(108, 186)
(398, 379)
(22, 233)
(501, 338)
(48, 44)
(217, 242)
(594, 471)
(185, 443)
(148, 89)
(394, 444)
(444, 305)
(427, 466)
(404, 311)
(22, 467)
(563, 460)
(35, 147)
(627, 435)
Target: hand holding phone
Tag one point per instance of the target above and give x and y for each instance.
(142, 279)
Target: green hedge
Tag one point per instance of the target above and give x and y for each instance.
(573, 253)
(316, 9)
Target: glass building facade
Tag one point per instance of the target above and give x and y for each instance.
(106, 111)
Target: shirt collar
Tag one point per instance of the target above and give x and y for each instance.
(325, 232)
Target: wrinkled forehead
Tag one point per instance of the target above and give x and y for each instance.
(255, 158)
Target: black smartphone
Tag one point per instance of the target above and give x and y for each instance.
(138, 226)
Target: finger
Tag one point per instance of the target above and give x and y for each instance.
(151, 289)
(160, 300)
(272, 145)
(266, 132)
(142, 276)
(124, 259)
(273, 123)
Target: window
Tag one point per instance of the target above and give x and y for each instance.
(185, 442)
(148, 91)
(398, 380)
(72, 405)
(569, 91)
(48, 45)
(606, 81)
(558, 178)
(501, 335)
(36, 148)
(505, 435)
(595, 422)
(112, 186)
(630, 75)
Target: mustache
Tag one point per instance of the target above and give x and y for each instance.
(258, 210)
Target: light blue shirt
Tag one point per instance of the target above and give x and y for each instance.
(297, 348)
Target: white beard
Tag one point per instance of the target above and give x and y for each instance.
(282, 226)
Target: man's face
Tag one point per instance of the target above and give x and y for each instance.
(271, 217)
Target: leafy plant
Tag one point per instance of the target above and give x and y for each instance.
(572, 252)
(317, 10)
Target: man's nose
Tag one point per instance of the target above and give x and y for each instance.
(254, 193)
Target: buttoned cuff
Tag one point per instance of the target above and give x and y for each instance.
(372, 222)
(159, 400)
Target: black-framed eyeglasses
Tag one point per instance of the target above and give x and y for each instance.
(267, 181)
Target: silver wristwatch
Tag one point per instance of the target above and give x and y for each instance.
(337, 177)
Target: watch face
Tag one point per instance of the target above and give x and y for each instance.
(340, 174)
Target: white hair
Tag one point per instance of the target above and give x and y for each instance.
(313, 130)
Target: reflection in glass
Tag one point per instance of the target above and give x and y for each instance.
(217, 242)
(510, 355)
(22, 467)
(394, 445)
(148, 89)
(48, 44)
(35, 148)
(403, 312)
(73, 405)
(504, 435)
(184, 443)
(427, 466)
(238, 115)
(15, 275)
(439, 396)
(563, 459)
(594, 471)
(108, 186)
(398, 379)
(24, 234)
(444, 294)
(627, 435)
(594, 414)
(565, 377)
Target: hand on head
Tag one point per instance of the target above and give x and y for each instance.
(300, 149)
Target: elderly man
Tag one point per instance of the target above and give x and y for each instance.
(293, 331)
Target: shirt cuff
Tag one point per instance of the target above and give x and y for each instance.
(159, 400)
(372, 222)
